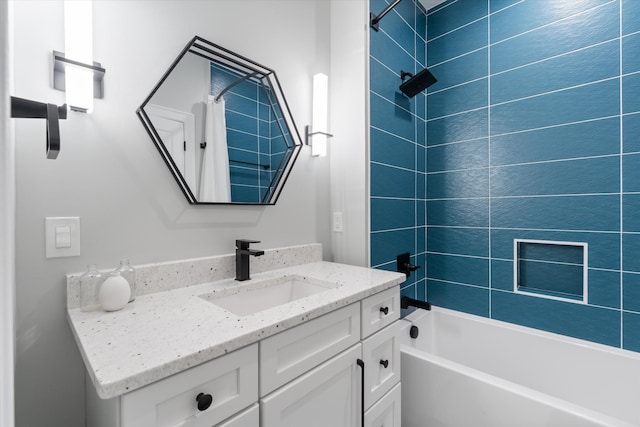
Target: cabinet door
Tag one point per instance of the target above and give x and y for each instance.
(327, 396)
(386, 411)
(248, 418)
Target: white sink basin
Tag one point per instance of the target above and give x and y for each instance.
(263, 295)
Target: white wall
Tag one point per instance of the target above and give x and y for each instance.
(110, 174)
(7, 227)
(349, 147)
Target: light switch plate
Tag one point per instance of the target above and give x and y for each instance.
(62, 237)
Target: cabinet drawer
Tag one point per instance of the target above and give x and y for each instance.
(386, 412)
(380, 310)
(381, 355)
(229, 379)
(291, 353)
(325, 396)
(248, 418)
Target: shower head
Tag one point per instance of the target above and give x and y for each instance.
(417, 83)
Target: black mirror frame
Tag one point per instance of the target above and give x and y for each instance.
(213, 52)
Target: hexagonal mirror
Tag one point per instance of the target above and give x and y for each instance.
(223, 127)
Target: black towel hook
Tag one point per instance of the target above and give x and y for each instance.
(27, 109)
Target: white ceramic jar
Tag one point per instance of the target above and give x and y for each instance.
(114, 293)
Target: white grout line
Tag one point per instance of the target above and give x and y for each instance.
(566, 159)
(525, 196)
(457, 29)
(489, 145)
(394, 135)
(392, 166)
(564, 89)
(621, 186)
(506, 7)
(397, 44)
(554, 22)
(435, 92)
(457, 114)
(404, 199)
(453, 58)
(388, 230)
(438, 8)
(556, 56)
(416, 175)
(392, 102)
(458, 283)
(462, 141)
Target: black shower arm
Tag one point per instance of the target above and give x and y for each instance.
(27, 109)
(375, 19)
(405, 74)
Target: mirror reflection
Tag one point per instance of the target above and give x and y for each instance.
(223, 127)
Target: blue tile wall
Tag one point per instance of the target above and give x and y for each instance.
(254, 141)
(398, 153)
(531, 132)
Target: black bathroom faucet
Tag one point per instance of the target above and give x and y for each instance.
(242, 258)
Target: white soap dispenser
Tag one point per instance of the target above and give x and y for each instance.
(114, 293)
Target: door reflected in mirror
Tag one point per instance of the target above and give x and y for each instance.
(223, 126)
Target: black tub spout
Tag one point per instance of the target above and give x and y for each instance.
(406, 302)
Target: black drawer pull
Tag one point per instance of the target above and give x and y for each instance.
(384, 363)
(384, 310)
(204, 401)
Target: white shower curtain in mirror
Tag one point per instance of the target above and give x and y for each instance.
(215, 184)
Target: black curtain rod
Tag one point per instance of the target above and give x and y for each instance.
(249, 163)
(203, 145)
(235, 83)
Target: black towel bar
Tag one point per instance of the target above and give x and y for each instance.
(27, 109)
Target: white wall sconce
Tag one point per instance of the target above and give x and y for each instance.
(74, 71)
(316, 134)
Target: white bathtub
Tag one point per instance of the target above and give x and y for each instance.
(466, 370)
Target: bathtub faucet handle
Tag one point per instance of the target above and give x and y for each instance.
(411, 267)
(403, 264)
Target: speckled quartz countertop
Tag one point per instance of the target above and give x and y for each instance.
(163, 333)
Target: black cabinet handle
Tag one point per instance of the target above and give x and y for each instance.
(204, 401)
(384, 363)
(360, 363)
(384, 310)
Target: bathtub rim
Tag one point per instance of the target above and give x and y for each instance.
(417, 315)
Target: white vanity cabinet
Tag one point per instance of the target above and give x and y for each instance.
(331, 394)
(224, 386)
(336, 370)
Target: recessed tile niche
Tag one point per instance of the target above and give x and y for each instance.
(551, 269)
